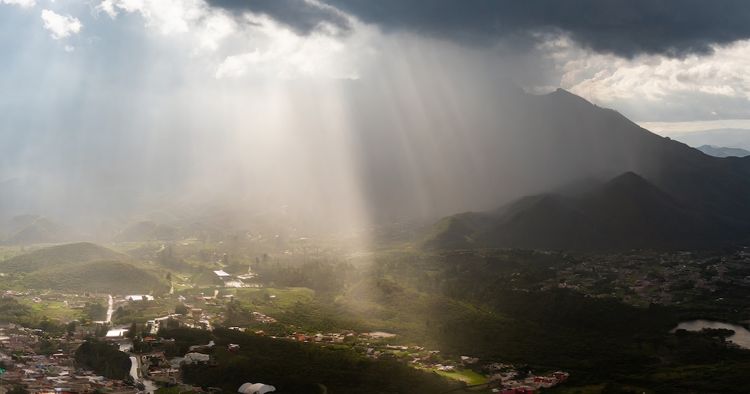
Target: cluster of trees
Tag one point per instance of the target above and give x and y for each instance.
(12, 311)
(103, 358)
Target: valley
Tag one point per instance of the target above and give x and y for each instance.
(445, 321)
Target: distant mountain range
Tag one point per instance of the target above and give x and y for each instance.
(736, 138)
(718, 151)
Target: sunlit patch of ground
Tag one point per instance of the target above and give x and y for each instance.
(464, 375)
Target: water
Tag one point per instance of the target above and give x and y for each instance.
(150, 386)
(741, 336)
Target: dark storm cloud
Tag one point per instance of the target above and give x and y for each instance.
(622, 27)
(299, 15)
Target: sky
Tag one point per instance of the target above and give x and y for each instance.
(102, 97)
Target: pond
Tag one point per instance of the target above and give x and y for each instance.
(741, 336)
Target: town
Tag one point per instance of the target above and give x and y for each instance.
(46, 361)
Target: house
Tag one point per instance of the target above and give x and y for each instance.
(256, 388)
(196, 358)
(222, 275)
(117, 333)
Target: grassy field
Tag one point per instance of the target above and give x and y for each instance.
(54, 310)
(272, 299)
(463, 375)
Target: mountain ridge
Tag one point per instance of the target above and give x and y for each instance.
(624, 213)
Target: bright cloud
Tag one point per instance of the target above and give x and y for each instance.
(205, 25)
(256, 45)
(167, 16)
(60, 26)
(20, 3)
(288, 56)
(607, 78)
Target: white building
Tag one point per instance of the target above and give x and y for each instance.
(138, 297)
(255, 388)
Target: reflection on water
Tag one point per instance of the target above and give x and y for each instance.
(741, 335)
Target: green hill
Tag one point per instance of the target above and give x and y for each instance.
(82, 267)
(97, 276)
(58, 256)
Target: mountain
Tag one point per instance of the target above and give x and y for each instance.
(523, 144)
(719, 151)
(626, 212)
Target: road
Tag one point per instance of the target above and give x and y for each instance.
(110, 308)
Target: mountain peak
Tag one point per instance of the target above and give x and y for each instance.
(566, 95)
(629, 178)
(631, 188)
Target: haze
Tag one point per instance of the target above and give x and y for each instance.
(338, 115)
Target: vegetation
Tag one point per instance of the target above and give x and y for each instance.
(303, 368)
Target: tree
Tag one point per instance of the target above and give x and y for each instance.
(95, 311)
(71, 327)
(104, 359)
(181, 309)
(18, 389)
(133, 330)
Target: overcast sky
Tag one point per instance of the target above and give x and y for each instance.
(167, 80)
(655, 61)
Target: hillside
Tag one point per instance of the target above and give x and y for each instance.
(626, 212)
(59, 256)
